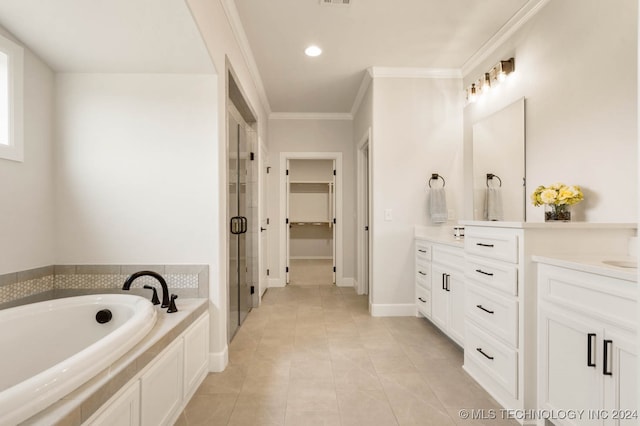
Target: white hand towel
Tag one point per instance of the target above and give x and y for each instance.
(438, 205)
(493, 204)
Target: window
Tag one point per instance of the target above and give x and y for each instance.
(11, 78)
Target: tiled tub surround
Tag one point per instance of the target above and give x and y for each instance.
(49, 282)
(77, 407)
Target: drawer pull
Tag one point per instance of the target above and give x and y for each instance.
(422, 300)
(590, 362)
(484, 245)
(480, 271)
(422, 251)
(482, 352)
(421, 273)
(488, 311)
(605, 358)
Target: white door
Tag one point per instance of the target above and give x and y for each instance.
(572, 352)
(620, 377)
(264, 223)
(439, 296)
(455, 288)
(287, 224)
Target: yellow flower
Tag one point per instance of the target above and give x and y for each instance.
(548, 196)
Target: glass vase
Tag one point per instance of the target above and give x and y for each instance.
(557, 213)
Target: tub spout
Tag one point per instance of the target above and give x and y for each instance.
(163, 283)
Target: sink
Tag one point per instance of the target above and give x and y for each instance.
(622, 263)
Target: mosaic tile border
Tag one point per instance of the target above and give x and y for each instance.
(184, 280)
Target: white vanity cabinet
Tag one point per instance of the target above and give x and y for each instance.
(587, 354)
(440, 286)
(423, 277)
(501, 314)
(447, 289)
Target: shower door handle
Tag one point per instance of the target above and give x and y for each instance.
(243, 225)
(235, 225)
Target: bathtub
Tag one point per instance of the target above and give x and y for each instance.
(48, 349)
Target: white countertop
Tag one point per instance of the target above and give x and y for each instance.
(440, 235)
(549, 225)
(592, 264)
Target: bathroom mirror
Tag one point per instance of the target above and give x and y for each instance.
(499, 165)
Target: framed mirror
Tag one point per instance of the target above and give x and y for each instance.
(499, 165)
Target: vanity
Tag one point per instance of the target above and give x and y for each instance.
(587, 334)
(495, 318)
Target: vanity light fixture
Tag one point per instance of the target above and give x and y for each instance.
(491, 78)
(472, 94)
(313, 51)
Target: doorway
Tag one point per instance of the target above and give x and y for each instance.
(364, 215)
(311, 216)
(242, 208)
(311, 208)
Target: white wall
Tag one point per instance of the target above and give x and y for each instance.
(293, 135)
(26, 192)
(223, 48)
(576, 65)
(135, 173)
(417, 131)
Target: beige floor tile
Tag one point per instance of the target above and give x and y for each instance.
(312, 355)
(229, 381)
(210, 409)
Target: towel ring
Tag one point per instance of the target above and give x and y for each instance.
(435, 176)
(490, 176)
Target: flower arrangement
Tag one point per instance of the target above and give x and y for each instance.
(558, 197)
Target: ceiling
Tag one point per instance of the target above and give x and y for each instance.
(367, 33)
(109, 36)
(160, 36)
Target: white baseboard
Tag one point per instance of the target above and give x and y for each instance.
(393, 310)
(218, 360)
(276, 282)
(311, 257)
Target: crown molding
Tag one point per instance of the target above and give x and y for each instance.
(235, 23)
(364, 85)
(391, 72)
(516, 22)
(310, 116)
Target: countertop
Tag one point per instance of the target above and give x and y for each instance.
(549, 225)
(592, 264)
(439, 235)
(79, 405)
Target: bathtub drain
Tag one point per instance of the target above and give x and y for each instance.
(104, 316)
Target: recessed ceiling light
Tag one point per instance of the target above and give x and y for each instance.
(313, 51)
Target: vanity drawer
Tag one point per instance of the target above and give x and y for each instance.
(496, 359)
(448, 256)
(497, 314)
(423, 251)
(423, 301)
(609, 298)
(499, 246)
(495, 274)
(423, 274)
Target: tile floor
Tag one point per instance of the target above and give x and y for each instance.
(313, 356)
(311, 272)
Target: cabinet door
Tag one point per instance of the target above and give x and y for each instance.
(456, 306)
(162, 388)
(571, 375)
(124, 410)
(439, 297)
(620, 388)
(196, 355)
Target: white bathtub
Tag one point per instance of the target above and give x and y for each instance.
(48, 349)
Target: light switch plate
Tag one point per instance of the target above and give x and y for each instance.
(388, 215)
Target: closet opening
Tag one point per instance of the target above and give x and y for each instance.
(311, 238)
(311, 213)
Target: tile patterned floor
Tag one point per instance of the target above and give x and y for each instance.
(311, 272)
(314, 356)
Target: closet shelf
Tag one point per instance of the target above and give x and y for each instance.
(314, 223)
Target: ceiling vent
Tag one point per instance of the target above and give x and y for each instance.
(335, 2)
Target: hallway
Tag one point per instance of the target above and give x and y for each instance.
(313, 356)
